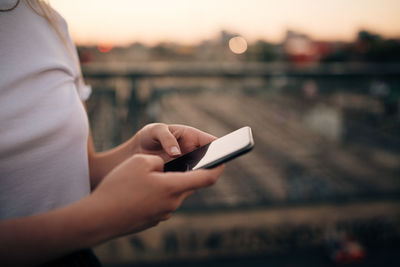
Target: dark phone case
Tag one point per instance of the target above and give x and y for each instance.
(189, 160)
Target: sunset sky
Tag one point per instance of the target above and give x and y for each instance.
(121, 22)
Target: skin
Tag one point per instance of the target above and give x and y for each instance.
(130, 193)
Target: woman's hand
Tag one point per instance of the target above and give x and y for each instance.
(165, 141)
(137, 194)
(169, 141)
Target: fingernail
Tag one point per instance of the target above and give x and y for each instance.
(175, 151)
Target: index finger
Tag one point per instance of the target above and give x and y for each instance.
(189, 137)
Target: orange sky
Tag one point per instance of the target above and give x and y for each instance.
(188, 21)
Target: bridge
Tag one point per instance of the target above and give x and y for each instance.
(326, 162)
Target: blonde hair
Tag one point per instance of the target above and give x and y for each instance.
(46, 11)
(43, 9)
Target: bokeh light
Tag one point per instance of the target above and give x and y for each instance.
(104, 48)
(238, 45)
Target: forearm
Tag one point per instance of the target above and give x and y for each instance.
(101, 163)
(36, 239)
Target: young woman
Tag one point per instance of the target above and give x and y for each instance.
(57, 196)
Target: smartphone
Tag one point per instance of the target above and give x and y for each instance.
(215, 153)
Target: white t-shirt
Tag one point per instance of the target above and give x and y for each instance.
(43, 124)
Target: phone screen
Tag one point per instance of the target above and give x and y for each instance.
(214, 153)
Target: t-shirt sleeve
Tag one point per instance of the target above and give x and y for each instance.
(84, 90)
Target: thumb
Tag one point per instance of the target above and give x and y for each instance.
(192, 180)
(147, 162)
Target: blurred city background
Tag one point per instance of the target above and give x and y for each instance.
(322, 185)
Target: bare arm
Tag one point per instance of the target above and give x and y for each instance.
(132, 197)
(40, 238)
(100, 164)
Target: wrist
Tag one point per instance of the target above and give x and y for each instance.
(98, 220)
(133, 144)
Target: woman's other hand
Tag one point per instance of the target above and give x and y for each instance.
(137, 194)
